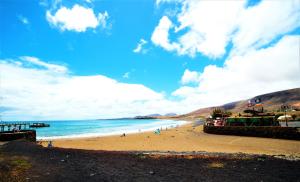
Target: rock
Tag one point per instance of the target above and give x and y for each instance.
(151, 172)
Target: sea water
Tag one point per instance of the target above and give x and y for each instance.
(94, 128)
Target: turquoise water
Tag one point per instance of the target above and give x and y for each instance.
(92, 128)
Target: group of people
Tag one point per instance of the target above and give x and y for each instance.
(157, 131)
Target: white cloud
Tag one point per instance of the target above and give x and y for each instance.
(126, 75)
(160, 36)
(78, 18)
(185, 92)
(244, 76)
(207, 27)
(51, 67)
(23, 20)
(158, 2)
(102, 19)
(139, 47)
(40, 92)
(259, 25)
(34, 89)
(253, 66)
(190, 77)
(31, 92)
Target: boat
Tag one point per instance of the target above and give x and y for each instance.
(39, 125)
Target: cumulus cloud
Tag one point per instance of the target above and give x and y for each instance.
(243, 76)
(37, 91)
(263, 58)
(139, 47)
(210, 24)
(190, 77)
(77, 18)
(207, 27)
(259, 25)
(42, 90)
(160, 36)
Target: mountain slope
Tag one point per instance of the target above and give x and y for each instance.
(271, 102)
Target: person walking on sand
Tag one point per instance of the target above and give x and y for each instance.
(50, 144)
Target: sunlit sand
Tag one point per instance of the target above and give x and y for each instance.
(184, 138)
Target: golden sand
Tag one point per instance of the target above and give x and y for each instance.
(184, 138)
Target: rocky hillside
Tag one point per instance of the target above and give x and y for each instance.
(271, 102)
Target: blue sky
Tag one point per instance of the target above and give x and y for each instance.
(101, 51)
(192, 54)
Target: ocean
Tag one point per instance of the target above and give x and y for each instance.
(94, 128)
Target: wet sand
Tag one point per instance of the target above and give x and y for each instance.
(185, 138)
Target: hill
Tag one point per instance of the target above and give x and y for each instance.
(271, 102)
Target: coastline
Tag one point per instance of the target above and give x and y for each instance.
(118, 133)
(185, 138)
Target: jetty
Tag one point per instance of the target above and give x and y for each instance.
(9, 126)
(39, 125)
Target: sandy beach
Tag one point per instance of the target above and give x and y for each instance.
(185, 138)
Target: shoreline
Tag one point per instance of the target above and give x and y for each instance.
(186, 138)
(94, 135)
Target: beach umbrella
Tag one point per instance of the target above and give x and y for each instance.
(285, 117)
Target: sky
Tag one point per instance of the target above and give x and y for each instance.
(89, 59)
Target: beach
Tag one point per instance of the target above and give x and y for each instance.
(186, 138)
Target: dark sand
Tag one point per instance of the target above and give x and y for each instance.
(23, 161)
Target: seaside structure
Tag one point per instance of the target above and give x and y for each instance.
(253, 122)
(39, 125)
(17, 130)
(8, 126)
(29, 135)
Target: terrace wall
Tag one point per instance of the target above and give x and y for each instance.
(256, 131)
(29, 135)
